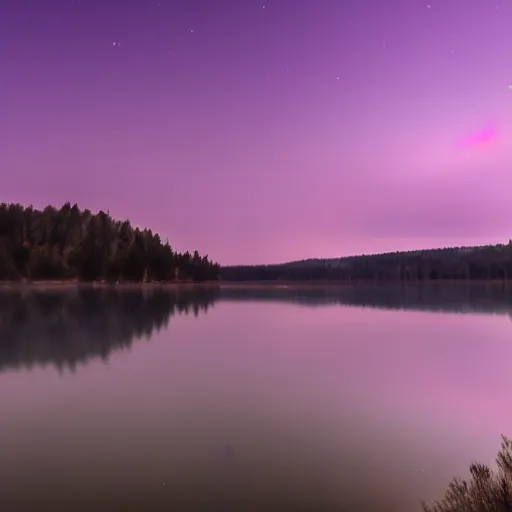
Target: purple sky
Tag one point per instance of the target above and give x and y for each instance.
(263, 131)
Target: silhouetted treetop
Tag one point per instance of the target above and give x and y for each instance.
(69, 243)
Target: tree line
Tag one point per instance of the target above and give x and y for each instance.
(491, 262)
(70, 243)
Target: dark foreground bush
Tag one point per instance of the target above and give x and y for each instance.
(486, 491)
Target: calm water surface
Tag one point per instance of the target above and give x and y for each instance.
(366, 398)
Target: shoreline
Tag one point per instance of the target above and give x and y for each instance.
(55, 283)
(261, 285)
(242, 284)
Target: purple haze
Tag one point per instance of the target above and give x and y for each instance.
(263, 131)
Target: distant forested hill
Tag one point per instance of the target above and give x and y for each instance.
(486, 262)
(69, 243)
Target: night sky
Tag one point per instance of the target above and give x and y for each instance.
(265, 131)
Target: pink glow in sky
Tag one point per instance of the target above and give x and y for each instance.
(305, 129)
(481, 138)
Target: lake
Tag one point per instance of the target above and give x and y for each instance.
(351, 398)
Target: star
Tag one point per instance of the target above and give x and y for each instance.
(191, 30)
(116, 43)
(264, 7)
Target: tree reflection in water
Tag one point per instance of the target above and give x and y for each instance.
(71, 326)
(66, 327)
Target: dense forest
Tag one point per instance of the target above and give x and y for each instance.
(69, 243)
(491, 262)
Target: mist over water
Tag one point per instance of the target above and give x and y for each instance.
(298, 398)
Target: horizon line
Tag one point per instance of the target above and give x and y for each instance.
(365, 254)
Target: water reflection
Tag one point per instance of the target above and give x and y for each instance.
(455, 298)
(257, 405)
(68, 327)
(72, 326)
